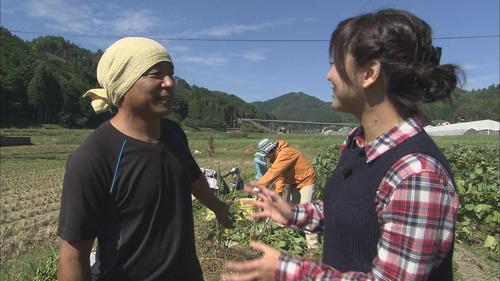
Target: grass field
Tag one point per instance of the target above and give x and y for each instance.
(31, 181)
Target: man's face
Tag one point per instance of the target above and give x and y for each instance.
(152, 95)
(271, 156)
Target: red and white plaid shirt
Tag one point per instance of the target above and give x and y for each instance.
(416, 204)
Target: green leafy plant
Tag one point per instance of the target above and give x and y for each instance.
(285, 239)
(324, 164)
(476, 171)
(476, 174)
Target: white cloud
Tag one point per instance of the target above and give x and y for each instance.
(221, 30)
(206, 60)
(134, 21)
(78, 18)
(483, 78)
(470, 66)
(177, 48)
(190, 56)
(232, 29)
(254, 55)
(62, 16)
(479, 82)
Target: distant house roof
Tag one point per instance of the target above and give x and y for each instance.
(344, 130)
(456, 129)
(328, 133)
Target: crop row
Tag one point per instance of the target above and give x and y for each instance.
(29, 204)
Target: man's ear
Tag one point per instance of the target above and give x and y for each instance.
(372, 71)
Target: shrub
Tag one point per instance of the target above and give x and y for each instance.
(476, 173)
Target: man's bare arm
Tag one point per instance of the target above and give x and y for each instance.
(201, 191)
(74, 260)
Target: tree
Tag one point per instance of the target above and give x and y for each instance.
(70, 114)
(44, 94)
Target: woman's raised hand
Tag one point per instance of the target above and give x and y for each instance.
(270, 203)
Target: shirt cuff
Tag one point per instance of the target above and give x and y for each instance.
(288, 268)
(294, 215)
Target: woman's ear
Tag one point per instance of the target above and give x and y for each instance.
(372, 72)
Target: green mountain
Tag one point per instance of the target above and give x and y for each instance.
(199, 107)
(42, 81)
(463, 105)
(302, 107)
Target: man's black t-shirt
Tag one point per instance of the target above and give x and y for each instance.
(135, 198)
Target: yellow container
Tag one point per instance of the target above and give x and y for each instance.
(243, 204)
(247, 208)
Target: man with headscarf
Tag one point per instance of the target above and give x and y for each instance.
(129, 183)
(289, 167)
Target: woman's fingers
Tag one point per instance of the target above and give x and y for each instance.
(248, 189)
(254, 182)
(253, 275)
(272, 195)
(261, 247)
(242, 266)
(260, 215)
(257, 204)
(258, 269)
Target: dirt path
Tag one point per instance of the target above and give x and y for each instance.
(470, 267)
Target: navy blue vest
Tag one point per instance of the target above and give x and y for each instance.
(351, 225)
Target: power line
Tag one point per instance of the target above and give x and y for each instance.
(465, 37)
(296, 122)
(230, 40)
(173, 38)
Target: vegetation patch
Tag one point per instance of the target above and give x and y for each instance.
(31, 181)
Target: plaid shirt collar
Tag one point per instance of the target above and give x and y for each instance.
(391, 138)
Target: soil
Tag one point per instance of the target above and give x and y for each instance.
(471, 267)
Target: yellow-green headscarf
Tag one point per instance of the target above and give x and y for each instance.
(120, 66)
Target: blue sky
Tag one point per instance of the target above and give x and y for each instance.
(257, 70)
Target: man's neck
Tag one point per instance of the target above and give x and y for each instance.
(136, 127)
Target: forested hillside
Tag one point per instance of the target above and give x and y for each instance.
(462, 106)
(302, 107)
(42, 81)
(466, 106)
(199, 107)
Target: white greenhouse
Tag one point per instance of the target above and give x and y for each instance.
(483, 127)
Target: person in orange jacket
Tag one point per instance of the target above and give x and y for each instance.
(289, 166)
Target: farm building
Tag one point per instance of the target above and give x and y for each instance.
(483, 127)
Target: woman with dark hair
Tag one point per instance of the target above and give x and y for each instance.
(389, 208)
